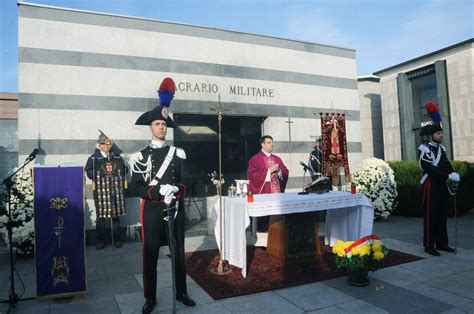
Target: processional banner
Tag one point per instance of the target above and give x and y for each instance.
(59, 231)
(334, 146)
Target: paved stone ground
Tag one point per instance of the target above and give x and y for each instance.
(434, 285)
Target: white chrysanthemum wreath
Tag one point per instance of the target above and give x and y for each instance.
(375, 179)
(22, 213)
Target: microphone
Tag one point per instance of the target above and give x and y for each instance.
(33, 154)
(305, 167)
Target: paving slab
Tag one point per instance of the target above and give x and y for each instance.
(265, 302)
(359, 306)
(468, 307)
(434, 267)
(439, 294)
(400, 276)
(112, 286)
(456, 311)
(129, 303)
(313, 296)
(329, 310)
(211, 308)
(388, 297)
(467, 274)
(29, 306)
(118, 270)
(455, 284)
(99, 305)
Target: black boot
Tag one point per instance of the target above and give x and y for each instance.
(432, 251)
(446, 248)
(148, 306)
(185, 299)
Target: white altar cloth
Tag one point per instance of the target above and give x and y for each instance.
(349, 217)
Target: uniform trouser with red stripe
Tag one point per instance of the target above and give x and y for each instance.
(435, 206)
(154, 233)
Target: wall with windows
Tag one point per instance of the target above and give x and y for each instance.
(445, 76)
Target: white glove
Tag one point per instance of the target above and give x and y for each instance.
(169, 198)
(454, 176)
(168, 189)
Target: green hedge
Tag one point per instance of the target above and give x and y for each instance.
(408, 175)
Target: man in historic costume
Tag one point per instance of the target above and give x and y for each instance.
(435, 197)
(267, 174)
(316, 159)
(106, 168)
(156, 178)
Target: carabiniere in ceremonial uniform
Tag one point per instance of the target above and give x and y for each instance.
(437, 171)
(156, 178)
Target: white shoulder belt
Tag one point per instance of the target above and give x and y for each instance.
(427, 155)
(164, 166)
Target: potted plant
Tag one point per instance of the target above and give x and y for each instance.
(375, 179)
(359, 257)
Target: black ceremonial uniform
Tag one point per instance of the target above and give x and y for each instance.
(435, 195)
(316, 162)
(154, 227)
(117, 206)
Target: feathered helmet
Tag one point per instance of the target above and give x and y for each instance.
(435, 126)
(161, 112)
(104, 139)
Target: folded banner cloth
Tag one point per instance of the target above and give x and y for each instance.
(349, 216)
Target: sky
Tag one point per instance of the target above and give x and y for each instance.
(383, 32)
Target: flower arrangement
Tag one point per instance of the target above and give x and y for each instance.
(365, 254)
(22, 222)
(375, 179)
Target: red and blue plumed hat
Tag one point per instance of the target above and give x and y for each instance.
(165, 96)
(435, 115)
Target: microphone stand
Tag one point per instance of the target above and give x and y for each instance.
(304, 176)
(13, 298)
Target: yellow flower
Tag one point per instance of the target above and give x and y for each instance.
(347, 244)
(376, 247)
(365, 250)
(339, 242)
(355, 251)
(338, 246)
(378, 255)
(341, 253)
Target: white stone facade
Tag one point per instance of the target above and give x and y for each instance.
(83, 71)
(460, 81)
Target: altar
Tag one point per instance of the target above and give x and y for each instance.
(349, 217)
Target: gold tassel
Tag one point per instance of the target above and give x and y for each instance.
(93, 185)
(126, 184)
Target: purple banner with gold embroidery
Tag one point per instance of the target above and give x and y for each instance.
(59, 231)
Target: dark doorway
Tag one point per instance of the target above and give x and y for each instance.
(198, 136)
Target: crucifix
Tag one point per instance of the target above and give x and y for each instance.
(223, 265)
(289, 128)
(59, 230)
